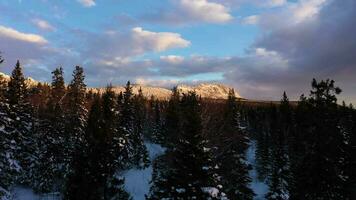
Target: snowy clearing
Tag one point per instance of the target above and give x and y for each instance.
(258, 187)
(137, 181)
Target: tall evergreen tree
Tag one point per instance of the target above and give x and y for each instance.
(17, 89)
(157, 132)
(57, 89)
(51, 133)
(135, 148)
(189, 174)
(9, 165)
(278, 177)
(76, 114)
(319, 175)
(231, 153)
(22, 116)
(171, 124)
(141, 157)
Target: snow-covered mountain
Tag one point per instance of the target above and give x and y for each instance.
(208, 90)
(30, 82)
(205, 90)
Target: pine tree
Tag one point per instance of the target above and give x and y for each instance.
(231, 154)
(17, 90)
(171, 124)
(188, 173)
(75, 114)
(157, 132)
(319, 174)
(135, 148)
(279, 175)
(57, 89)
(50, 129)
(74, 139)
(141, 158)
(22, 116)
(9, 165)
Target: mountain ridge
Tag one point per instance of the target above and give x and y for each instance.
(205, 90)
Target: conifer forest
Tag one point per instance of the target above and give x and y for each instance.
(65, 141)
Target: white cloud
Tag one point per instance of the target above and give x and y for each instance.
(260, 3)
(172, 59)
(203, 10)
(306, 9)
(191, 11)
(43, 25)
(26, 37)
(251, 20)
(157, 41)
(87, 3)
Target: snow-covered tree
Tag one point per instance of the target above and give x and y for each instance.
(188, 173)
(135, 148)
(231, 160)
(22, 118)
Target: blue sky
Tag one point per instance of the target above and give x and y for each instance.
(260, 47)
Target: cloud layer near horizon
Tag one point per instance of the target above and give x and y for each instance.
(297, 42)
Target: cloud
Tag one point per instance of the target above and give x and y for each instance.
(314, 39)
(11, 33)
(172, 59)
(43, 24)
(157, 41)
(112, 46)
(191, 11)
(87, 3)
(251, 20)
(260, 3)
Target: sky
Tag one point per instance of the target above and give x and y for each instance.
(260, 47)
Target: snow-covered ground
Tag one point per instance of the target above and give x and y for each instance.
(22, 193)
(258, 187)
(137, 181)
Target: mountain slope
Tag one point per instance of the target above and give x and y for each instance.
(205, 90)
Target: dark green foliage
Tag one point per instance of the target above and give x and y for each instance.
(75, 115)
(231, 153)
(172, 118)
(319, 175)
(17, 90)
(130, 125)
(188, 173)
(157, 130)
(9, 166)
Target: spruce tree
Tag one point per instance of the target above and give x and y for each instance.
(280, 120)
(231, 153)
(17, 89)
(75, 114)
(188, 173)
(157, 132)
(50, 130)
(141, 157)
(319, 174)
(22, 116)
(9, 164)
(136, 152)
(171, 123)
(57, 89)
